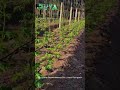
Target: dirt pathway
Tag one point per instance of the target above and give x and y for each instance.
(107, 66)
(104, 53)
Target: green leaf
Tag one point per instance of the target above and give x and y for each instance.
(48, 67)
(37, 65)
(37, 53)
(38, 75)
(39, 84)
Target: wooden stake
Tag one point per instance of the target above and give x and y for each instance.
(58, 14)
(76, 15)
(79, 16)
(60, 20)
(70, 15)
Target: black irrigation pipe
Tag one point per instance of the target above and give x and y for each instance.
(17, 49)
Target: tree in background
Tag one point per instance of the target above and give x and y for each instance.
(15, 12)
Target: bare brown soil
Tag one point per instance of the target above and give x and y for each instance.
(71, 64)
(100, 55)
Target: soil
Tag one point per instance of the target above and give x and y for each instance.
(101, 60)
(102, 51)
(102, 54)
(71, 64)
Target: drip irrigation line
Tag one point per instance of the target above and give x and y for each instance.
(17, 49)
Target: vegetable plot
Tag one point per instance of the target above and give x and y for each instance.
(54, 30)
(50, 46)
